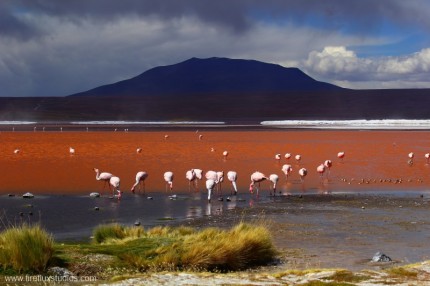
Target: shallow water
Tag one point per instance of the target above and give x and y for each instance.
(73, 217)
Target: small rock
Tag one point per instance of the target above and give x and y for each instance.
(59, 272)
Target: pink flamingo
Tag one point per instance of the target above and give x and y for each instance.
(72, 151)
(104, 176)
(210, 185)
(232, 177)
(191, 177)
(168, 177)
(427, 156)
(220, 179)
(298, 158)
(340, 155)
(256, 177)
(411, 158)
(211, 175)
(140, 180)
(114, 182)
(328, 164)
(287, 156)
(278, 157)
(321, 170)
(274, 179)
(225, 154)
(287, 169)
(302, 173)
(139, 150)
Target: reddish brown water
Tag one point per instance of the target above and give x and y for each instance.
(44, 164)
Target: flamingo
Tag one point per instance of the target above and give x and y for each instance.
(303, 172)
(104, 176)
(287, 156)
(191, 177)
(211, 175)
(114, 182)
(340, 155)
(232, 177)
(328, 164)
(274, 179)
(256, 177)
(200, 137)
(210, 185)
(287, 169)
(139, 150)
(16, 151)
(427, 156)
(140, 180)
(168, 177)
(166, 137)
(225, 154)
(72, 151)
(321, 170)
(298, 158)
(411, 158)
(278, 157)
(220, 179)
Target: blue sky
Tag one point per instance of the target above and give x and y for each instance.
(57, 48)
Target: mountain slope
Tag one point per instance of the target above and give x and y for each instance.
(213, 75)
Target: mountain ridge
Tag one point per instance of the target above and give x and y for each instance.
(211, 75)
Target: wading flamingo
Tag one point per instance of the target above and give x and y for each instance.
(220, 179)
(190, 175)
(287, 156)
(411, 158)
(274, 179)
(139, 150)
(256, 177)
(114, 182)
(287, 169)
(72, 151)
(168, 177)
(298, 158)
(210, 185)
(104, 176)
(225, 154)
(278, 157)
(427, 156)
(211, 175)
(340, 155)
(321, 170)
(140, 180)
(302, 173)
(232, 177)
(328, 164)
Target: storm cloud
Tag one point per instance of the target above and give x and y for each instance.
(56, 48)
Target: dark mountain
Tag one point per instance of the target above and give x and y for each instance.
(234, 91)
(213, 75)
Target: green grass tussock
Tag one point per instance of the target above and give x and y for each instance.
(184, 248)
(25, 248)
(108, 232)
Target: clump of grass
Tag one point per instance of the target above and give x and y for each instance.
(243, 246)
(401, 272)
(25, 248)
(347, 276)
(184, 248)
(109, 232)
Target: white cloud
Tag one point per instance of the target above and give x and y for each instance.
(341, 66)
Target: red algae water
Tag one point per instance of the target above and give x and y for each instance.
(373, 159)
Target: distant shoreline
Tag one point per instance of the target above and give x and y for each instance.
(291, 125)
